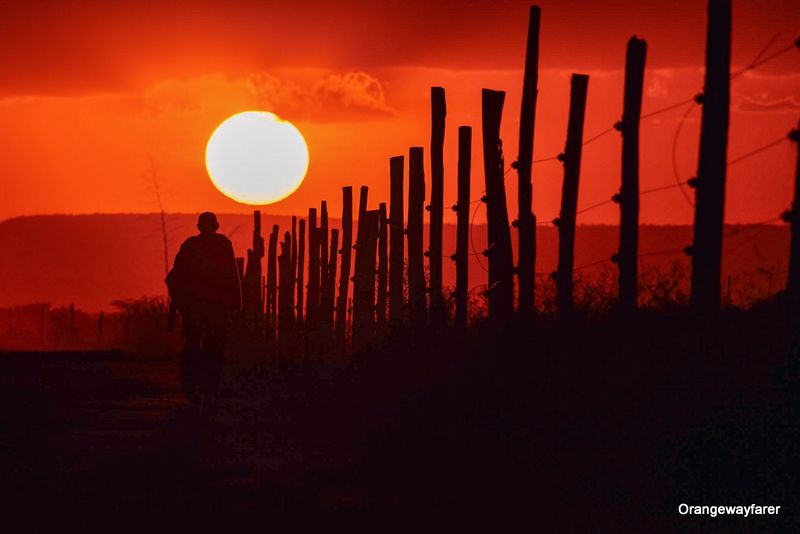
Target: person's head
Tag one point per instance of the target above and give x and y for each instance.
(207, 223)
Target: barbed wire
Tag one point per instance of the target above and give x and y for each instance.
(758, 61)
(675, 172)
(746, 155)
(472, 240)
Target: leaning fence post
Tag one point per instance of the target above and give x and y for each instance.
(344, 275)
(627, 257)
(416, 211)
(500, 292)
(436, 207)
(709, 214)
(383, 264)
(396, 240)
(569, 193)
(364, 279)
(526, 220)
(461, 257)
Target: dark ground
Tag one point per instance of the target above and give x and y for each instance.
(602, 425)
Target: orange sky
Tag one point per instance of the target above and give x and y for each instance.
(88, 94)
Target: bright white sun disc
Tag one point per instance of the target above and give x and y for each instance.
(255, 157)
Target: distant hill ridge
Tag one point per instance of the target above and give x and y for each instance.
(90, 260)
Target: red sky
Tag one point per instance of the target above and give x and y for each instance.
(90, 92)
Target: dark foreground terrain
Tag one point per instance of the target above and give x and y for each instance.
(605, 424)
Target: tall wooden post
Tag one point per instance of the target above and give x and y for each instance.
(344, 275)
(416, 212)
(436, 207)
(328, 297)
(709, 211)
(569, 193)
(301, 254)
(312, 296)
(461, 257)
(364, 280)
(397, 240)
(325, 314)
(251, 286)
(383, 265)
(628, 254)
(500, 292)
(272, 282)
(363, 196)
(285, 276)
(793, 218)
(293, 265)
(323, 246)
(526, 220)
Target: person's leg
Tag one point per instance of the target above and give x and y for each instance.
(212, 350)
(191, 356)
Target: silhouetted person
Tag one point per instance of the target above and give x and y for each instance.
(204, 288)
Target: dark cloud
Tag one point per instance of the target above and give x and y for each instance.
(335, 96)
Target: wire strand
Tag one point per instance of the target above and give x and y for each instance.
(675, 172)
(472, 241)
(666, 108)
(755, 64)
(758, 150)
(593, 206)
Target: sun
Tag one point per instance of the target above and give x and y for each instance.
(256, 158)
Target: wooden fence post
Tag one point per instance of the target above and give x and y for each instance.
(325, 315)
(569, 193)
(293, 265)
(436, 207)
(383, 265)
(526, 220)
(397, 240)
(461, 257)
(272, 282)
(301, 254)
(328, 297)
(344, 275)
(500, 292)
(285, 312)
(252, 304)
(312, 296)
(364, 280)
(793, 218)
(415, 228)
(363, 196)
(628, 255)
(706, 249)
